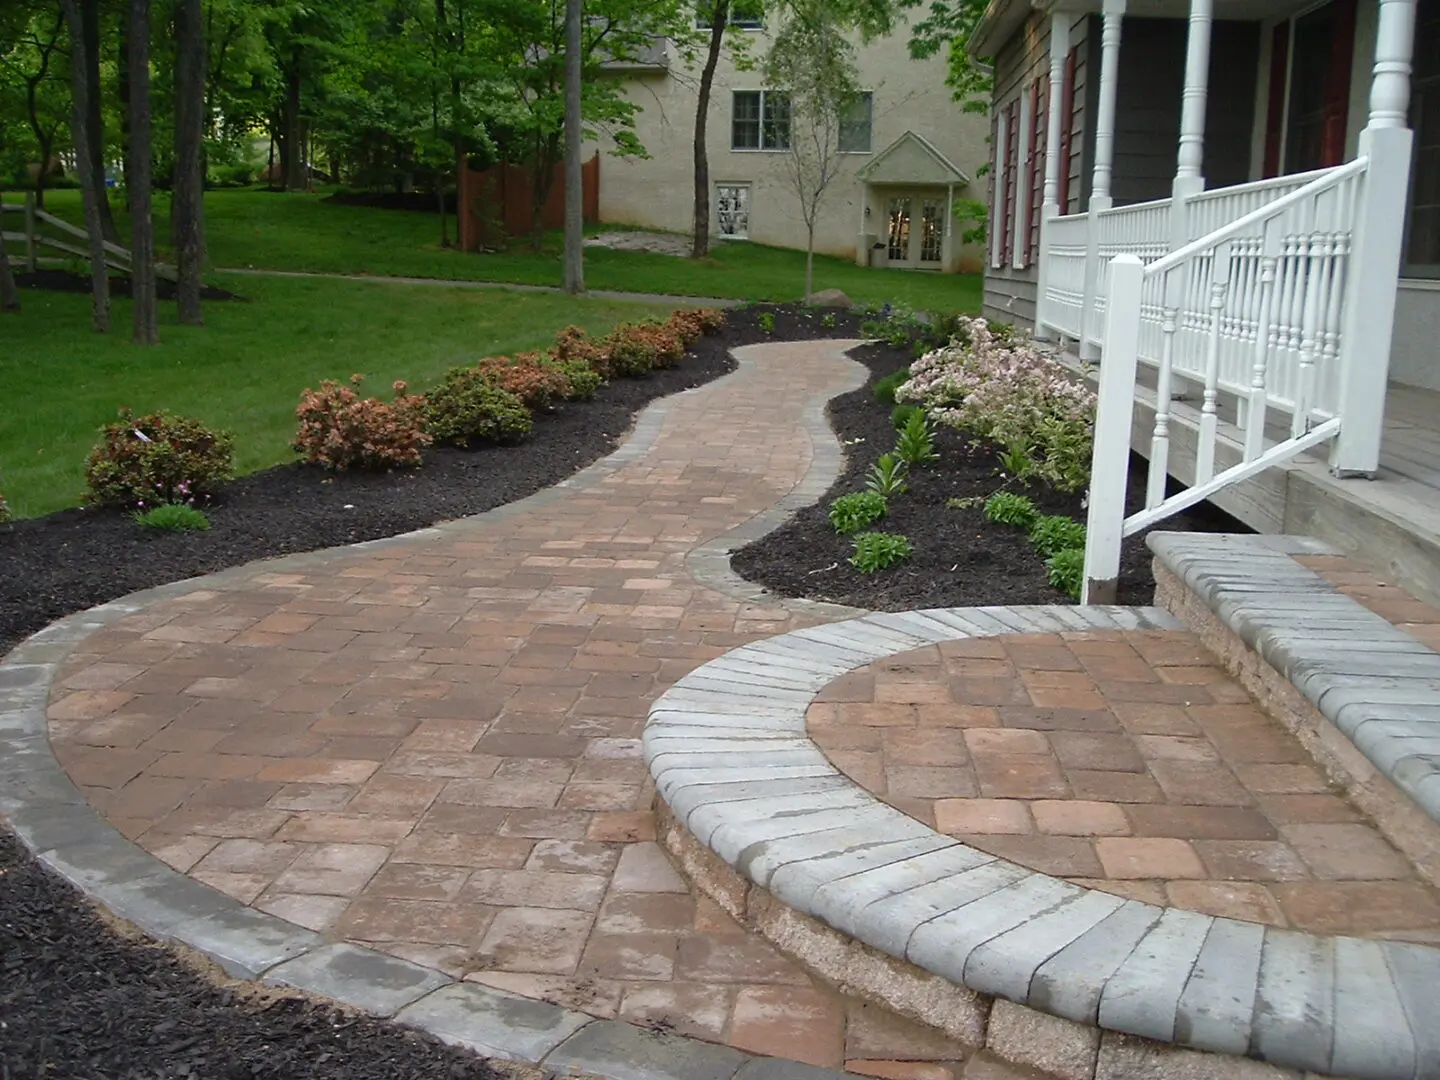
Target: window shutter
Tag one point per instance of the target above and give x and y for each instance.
(1008, 201)
(1275, 106)
(1035, 172)
(1337, 83)
(1067, 128)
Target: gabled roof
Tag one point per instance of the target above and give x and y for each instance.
(912, 159)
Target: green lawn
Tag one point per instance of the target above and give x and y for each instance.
(245, 368)
(274, 231)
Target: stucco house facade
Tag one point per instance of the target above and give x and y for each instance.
(909, 153)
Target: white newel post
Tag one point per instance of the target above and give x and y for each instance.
(1110, 459)
(1050, 193)
(1375, 259)
(1190, 158)
(1114, 13)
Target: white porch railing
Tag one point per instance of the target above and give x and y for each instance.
(1251, 310)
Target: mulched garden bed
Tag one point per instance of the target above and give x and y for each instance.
(960, 559)
(74, 559)
(69, 281)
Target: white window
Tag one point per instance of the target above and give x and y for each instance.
(759, 120)
(732, 210)
(742, 16)
(855, 125)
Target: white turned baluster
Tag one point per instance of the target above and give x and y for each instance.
(1310, 270)
(1291, 299)
(1209, 410)
(1390, 77)
(1264, 342)
(1171, 288)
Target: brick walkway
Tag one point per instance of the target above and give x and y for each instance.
(433, 747)
(1129, 762)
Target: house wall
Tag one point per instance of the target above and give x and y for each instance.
(658, 192)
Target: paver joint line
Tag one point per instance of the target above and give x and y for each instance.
(51, 815)
(985, 923)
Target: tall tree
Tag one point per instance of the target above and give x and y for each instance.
(189, 205)
(719, 18)
(94, 114)
(574, 176)
(142, 228)
(949, 26)
(89, 197)
(9, 294)
(26, 63)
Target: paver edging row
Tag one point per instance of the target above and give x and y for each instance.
(50, 816)
(729, 753)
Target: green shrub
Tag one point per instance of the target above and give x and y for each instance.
(900, 415)
(1066, 571)
(341, 430)
(160, 457)
(639, 348)
(766, 319)
(581, 379)
(1053, 534)
(916, 444)
(887, 477)
(885, 388)
(1010, 509)
(879, 551)
(531, 377)
(173, 517)
(466, 407)
(851, 513)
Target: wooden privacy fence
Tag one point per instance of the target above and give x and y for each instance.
(496, 203)
(32, 238)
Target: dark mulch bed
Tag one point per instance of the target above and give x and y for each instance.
(960, 558)
(418, 201)
(71, 560)
(67, 281)
(78, 1000)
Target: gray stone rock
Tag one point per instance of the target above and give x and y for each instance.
(362, 978)
(626, 1052)
(829, 298)
(493, 1023)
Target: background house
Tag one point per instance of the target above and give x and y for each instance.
(909, 154)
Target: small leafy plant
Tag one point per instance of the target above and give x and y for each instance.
(885, 388)
(828, 320)
(900, 415)
(582, 380)
(969, 502)
(1016, 462)
(879, 551)
(916, 444)
(1053, 534)
(160, 457)
(887, 477)
(1007, 508)
(173, 517)
(851, 513)
(1066, 571)
(766, 319)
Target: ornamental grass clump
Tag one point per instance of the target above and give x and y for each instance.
(156, 458)
(1003, 391)
(341, 430)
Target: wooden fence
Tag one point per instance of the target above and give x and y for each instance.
(33, 237)
(497, 203)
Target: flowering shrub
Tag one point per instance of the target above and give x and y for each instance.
(1006, 392)
(158, 458)
(686, 325)
(637, 348)
(528, 376)
(341, 430)
(466, 407)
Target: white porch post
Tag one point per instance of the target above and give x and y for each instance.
(1379, 235)
(1114, 12)
(1190, 158)
(1050, 195)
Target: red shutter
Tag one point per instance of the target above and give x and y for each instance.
(1275, 106)
(1067, 128)
(1337, 83)
(1012, 157)
(1035, 171)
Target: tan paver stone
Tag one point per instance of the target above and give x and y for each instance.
(876, 1034)
(682, 1008)
(800, 1023)
(1148, 857)
(644, 868)
(901, 1070)
(314, 912)
(960, 817)
(1346, 852)
(1249, 901)
(1080, 817)
(533, 939)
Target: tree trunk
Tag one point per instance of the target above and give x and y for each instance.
(99, 279)
(540, 184)
(809, 261)
(9, 294)
(142, 228)
(189, 195)
(574, 281)
(122, 95)
(95, 121)
(270, 163)
(719, 16)
(292, 145)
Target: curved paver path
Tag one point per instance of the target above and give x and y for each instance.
(731, 756)
(428, 749)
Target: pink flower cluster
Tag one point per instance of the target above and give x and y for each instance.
(1007, 392)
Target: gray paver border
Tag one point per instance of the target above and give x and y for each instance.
(50, 816)
(742, 777)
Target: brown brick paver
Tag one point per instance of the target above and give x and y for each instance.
(433, 747)
(1124, 761)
